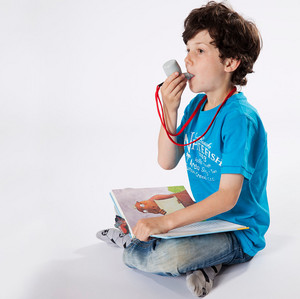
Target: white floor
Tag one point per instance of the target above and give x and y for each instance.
(50, 214)
(77, 118)
(95, 270)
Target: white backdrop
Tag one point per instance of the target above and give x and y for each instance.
(78, 118)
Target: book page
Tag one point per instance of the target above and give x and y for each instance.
(134, 204)
(201, 228)
(169, 205)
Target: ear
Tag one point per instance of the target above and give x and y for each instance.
(231, 64)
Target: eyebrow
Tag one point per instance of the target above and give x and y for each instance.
(210, 43)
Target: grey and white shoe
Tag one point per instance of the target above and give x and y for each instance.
(114, 237)
(200, 282)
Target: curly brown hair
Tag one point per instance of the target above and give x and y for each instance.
(234, 36)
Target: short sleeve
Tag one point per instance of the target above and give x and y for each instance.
(242, 143)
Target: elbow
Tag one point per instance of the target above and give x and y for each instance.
(228, 205)
(166, 165)
(231, 199)
(230, 189)
(231, 204)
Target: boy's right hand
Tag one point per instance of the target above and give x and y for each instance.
(172, 90)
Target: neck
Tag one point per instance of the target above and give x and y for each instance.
(216, 97)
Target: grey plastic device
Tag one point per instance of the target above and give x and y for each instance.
(172, 66)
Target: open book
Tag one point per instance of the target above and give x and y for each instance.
(133, 204)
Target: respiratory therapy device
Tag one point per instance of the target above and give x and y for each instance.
(172, 66)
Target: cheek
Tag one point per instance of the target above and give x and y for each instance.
(202, 83)
(214, 73)
(210, 69)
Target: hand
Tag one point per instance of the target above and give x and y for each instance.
(150, 226)
(172, 90)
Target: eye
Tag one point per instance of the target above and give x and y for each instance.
(188, 50)
(200, 51)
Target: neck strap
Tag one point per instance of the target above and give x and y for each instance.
(160, 112)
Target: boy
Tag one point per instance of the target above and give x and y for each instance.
(227, 168)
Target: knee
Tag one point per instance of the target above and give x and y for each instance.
(137, 255)
(150, 257)
(133, 258)
(128, 257)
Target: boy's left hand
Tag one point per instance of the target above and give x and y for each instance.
(150, 226)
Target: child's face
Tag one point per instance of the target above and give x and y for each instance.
(204, 63)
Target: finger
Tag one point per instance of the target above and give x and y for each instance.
(143, 233)
(139, 231)
(134, 231)
(177, 84)
(171, 78)
(143, 239)
(172, 81)
(180, 88)
(141, 236)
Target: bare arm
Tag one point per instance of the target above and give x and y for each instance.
(170, 154)
(219, 202)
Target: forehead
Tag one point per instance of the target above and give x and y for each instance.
(202, 37)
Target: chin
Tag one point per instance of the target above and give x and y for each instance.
(192, 88)
(195, 89)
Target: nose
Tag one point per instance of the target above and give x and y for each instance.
(188, 60)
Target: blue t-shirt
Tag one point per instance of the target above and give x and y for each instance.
(236, 143)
